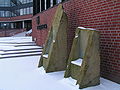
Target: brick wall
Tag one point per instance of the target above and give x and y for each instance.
(10, 32)
(46, 17)
(17, 18)
(103, 15)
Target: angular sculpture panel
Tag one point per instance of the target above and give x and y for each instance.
(54, 56)
(84, 59)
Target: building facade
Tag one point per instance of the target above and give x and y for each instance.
(41, 5)
(16, 14)
(103, 15)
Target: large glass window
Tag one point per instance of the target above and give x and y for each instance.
(7, 3)
(45, 4)
(4, 25)
(21, 11)
(25, 11)
(25, 1)
(41, 5)
(4, 3)
(31, 10)
(58, 1)
(17, 10)
(1, 13)
(48, 4)
(28, 10)
(5, 14)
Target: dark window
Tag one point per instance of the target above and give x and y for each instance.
(38, 5)
(54, 2)
(42, 5)
(48, 4)
(34, 7)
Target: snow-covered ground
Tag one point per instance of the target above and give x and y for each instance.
(20, 34)
(23, 74)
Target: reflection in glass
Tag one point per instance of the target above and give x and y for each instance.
(8, 10)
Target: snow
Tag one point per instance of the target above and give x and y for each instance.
(23, 74)
(15, 39)
(28, 32)
(86, 28)
(20, 34)
(81, 28)
(10, 43)
(37, 50)
(10, 55)
(91, 29)
(77, 62)
(104, 85)
(45, 55)
(76, 36)
(53, 41)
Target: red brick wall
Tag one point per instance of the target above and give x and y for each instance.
(46, 17)
(103, 15)
(10, 32)
(17, 18)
